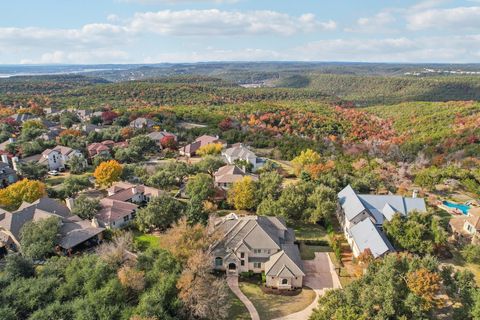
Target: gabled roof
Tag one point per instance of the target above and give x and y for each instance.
(230, 174)
(367, 236)
(351, 204)
(160, 135)
(285, 263)
(112, 210)
(239, 152)
(74, 231)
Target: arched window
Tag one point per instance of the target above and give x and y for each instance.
(218, 262)
(284, 281)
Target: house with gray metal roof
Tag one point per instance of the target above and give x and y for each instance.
(258, 244)
(362, 217)
(241, 153)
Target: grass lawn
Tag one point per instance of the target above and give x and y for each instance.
(270, 306)
(144, 241)
(304, 231)
(238, 311)
(307, 252)
(459, 263)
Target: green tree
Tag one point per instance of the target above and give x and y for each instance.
(210, 163)
(77, 164)
(323, 202)
(18, 266)
(38, 238)
(200, 187)
(160, 213)
(269, 185)
(85, 207)
(471, 253)
(32, 170)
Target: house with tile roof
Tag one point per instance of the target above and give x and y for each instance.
(240, 152)
(157, 136)
(258, 244)
(466, 228)
(73, 230)
(104, 148)
(362, 216)
(120, 206)
(227, 175)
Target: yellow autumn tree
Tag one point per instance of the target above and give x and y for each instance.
(242, 194)
(108, 172)
(426, 285)
(210, 149)
(24, 190)
(305, 158)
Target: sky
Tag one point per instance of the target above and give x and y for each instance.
(156, 31)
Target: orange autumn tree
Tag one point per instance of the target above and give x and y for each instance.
(304, 159)
(12, 196)
(108, 172)
(426, 285)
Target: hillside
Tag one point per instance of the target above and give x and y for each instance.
(367, 90)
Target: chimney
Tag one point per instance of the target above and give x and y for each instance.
(415, 193)
(5, 158)
(70, 202)
(95, 223)
(15, 163)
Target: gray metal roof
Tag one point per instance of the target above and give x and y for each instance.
(367, 236)
(351, 204)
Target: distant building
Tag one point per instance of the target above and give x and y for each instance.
(57, 158)
(142, 123)
(22, 117)
(259, 244)
(7, 174)
(240, 152)
(103, 148)
(190, 149)
(362, 217)
(227, 175)
(159, 135)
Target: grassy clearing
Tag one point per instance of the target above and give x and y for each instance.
(145, 241)
(305, 231)
(307, 252)
(270, 306)
(237, 311)
(460, 264)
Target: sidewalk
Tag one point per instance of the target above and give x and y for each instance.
(232, 282)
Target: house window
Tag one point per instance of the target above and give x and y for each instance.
(257, 250)
(257, 265)
(242, 255)
(284, 281)
(242, 262)
(267, 251)
(218, 262)
(126, 218)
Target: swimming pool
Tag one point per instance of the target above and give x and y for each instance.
(462, 207)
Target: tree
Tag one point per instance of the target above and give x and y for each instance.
(68, 119)
(210, 149)
(471, 253)
(195, 211)
(200, 187)
(108, 172)
(38, 238)
(169, 142)
(76, 164)
(269, 185)
(32, 170)
(160, 213)
(12, 196)
(417, 233)
(323, 201)
(85, 207)
(203, 295)
(74, 184)
(132, 279)
(242, 194)
(305, 158)
(109, 116)
(17, 266)
(425, 285)
(210, 163)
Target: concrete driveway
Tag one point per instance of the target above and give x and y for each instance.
(320, 275)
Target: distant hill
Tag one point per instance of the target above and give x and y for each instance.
(367, 90)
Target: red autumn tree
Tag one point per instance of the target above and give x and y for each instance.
(108, 116)
(168, 142)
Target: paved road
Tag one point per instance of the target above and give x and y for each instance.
(233, 284)
(320, 275)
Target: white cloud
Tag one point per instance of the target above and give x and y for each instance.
(215, 22)
(80, 57)
(378, 23)
(458, 18)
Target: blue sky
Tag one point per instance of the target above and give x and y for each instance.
(154, 31)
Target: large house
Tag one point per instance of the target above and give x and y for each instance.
(362, 217)
(119, 208)
(190, 149)
(258, 244)
(227, 175)
(57, 158)
(241, 153)
(466, 228)
(104, 148)
(73, 230)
